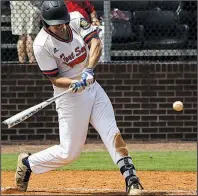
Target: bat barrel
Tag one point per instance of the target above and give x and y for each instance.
(4, 125)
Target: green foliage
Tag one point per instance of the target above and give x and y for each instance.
(151, 161)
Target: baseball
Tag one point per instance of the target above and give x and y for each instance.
(178, 106)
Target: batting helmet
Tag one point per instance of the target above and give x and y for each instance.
(54, 12)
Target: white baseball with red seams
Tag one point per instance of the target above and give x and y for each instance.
(75, 111)
(178, 106)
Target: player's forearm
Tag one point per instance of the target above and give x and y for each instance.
(93, 15)
(61, 82)
(94, 53)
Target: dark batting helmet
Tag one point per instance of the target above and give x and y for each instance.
(54, 12)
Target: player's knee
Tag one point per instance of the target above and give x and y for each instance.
(120, 145)
(68, 155)
(72, 155)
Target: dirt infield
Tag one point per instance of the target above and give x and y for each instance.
(131, 145)
(104, 182)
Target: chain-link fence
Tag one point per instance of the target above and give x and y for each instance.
(132, 30)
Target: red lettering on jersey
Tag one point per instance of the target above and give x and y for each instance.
(70, 59)
(83, 49)
(78, 60)
(65, 59)
(77, 50)
(62, 55)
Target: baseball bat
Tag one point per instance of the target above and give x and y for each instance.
(21, 116)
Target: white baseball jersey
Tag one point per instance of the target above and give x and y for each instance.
(58, 57)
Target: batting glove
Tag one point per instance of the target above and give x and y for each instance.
(77, 86)
(87, 76)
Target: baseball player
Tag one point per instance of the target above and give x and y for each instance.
(67, 50)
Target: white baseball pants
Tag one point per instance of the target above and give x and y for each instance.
(75, 111)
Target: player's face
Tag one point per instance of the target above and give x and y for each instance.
(58, 28)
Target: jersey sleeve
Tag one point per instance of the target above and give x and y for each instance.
(84, 28)
(46, 62)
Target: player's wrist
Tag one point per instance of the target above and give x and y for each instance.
(87, 76)
(89, 70)
(77, 86)
(94, 19)
(75, 81)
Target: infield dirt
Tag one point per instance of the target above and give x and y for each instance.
(103, 183)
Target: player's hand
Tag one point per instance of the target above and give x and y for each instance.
(96, 23)
(77, 86)
(87, 76)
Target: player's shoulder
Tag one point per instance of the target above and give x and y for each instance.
(75, 16)
(77, 21)
(41, 38)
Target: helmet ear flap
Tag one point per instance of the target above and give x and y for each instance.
(45, 24)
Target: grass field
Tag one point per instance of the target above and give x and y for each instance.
(147, 161)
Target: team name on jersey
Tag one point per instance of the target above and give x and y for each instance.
(76, 57)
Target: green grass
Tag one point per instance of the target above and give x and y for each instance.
(151, 161)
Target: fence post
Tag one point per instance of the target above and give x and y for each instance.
(107, 31)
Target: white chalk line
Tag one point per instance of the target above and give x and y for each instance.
(101, 189)
(110, 189)
(121, 190)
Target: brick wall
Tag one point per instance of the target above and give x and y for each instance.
(142, 96)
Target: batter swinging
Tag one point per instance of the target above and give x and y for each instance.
(67, 49)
